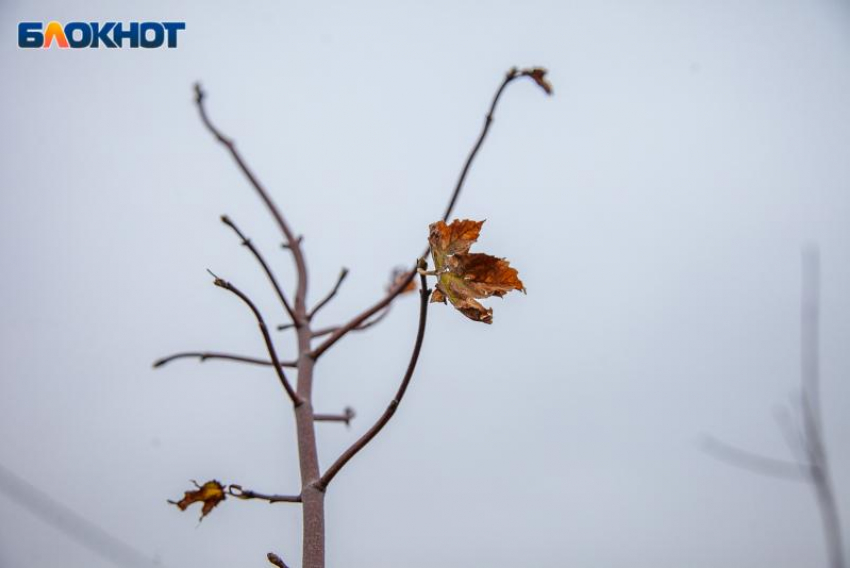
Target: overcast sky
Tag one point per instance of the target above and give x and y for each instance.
(656, 208)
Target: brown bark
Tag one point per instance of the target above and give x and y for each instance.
(312, 499)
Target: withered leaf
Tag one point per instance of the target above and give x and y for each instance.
(210, 494)
(464, 277)
(454, 238)
(538, 74)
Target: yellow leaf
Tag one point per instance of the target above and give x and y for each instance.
(210, 494)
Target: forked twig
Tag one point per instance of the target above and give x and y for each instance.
(247, 242)
(294, 244)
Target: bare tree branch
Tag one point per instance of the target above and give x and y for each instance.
(247, 242)
(239, 493)
(756, 462)
(296, 400)
(293, 243)
(347, 416)
(343, 273)
(361, 443)
(204, 355)
(394, 291)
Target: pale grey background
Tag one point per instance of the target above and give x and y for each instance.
(656, 208)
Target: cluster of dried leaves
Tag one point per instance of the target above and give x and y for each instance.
(463, 277)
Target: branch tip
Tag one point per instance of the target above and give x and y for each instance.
(276, 560)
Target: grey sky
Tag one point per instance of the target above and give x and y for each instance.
(656, 208)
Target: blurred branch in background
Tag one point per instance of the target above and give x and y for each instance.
(811, 460)
(71, 523)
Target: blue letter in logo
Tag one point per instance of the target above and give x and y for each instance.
(29, 34)
(85, 34)
(101, 34)
(171, 28)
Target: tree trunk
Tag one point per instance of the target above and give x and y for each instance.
(313, 500)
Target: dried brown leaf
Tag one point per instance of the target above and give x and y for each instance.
(464, 277)
(210, 494)
(538, 74)
(454, 238)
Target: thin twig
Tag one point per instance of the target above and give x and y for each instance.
(294, 244)
(342, 274)
(204, 355)
(511, 75)
(347, 416)
(400, 286)
(756, 462)
(365, 325)
(296, 400)
(247, 242)
(238, 492)
(346, 456)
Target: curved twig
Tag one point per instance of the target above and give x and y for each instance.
(296, 400)
(361, 443)
(204, 355)
(342, 274)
